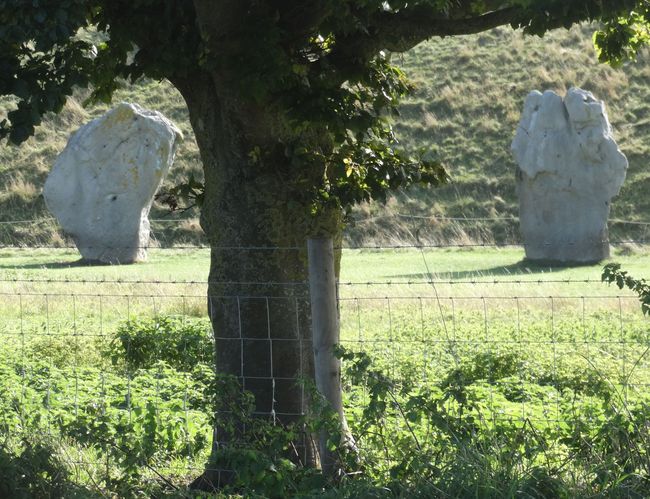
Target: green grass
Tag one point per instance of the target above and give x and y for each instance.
(477, 263)
(469, 94)
(549, 362)
(406, 272)
(357, 265)
(161, 265)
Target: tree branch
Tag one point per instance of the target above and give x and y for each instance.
(403, 35)
(301, 18)
(401, 31)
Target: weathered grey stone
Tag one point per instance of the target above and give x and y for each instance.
(102, 185)
(569, 170)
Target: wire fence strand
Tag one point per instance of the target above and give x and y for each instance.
(93, 363)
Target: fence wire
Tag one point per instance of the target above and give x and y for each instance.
(109, 371)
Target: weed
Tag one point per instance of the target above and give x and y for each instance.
(181, 343)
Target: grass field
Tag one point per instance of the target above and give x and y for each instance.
(484, 335)
(454, 270)
(365, 264)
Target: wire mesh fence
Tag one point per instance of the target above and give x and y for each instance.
(113, 363)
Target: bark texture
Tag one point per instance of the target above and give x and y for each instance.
(258, 285)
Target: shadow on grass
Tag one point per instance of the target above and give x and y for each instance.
(36, 471)
(523, 267)
(57, 265)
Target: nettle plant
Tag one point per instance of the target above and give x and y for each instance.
(179, 342)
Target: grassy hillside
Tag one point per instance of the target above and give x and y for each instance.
(469, 94)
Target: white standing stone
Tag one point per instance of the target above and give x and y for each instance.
(102, 185)
(569, 170)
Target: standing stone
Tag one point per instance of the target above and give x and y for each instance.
(102, 185)
(569, 170)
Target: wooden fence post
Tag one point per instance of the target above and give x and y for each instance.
(325, 336)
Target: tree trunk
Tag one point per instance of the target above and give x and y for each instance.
(258, 286)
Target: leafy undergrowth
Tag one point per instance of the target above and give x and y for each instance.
(552, 408)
